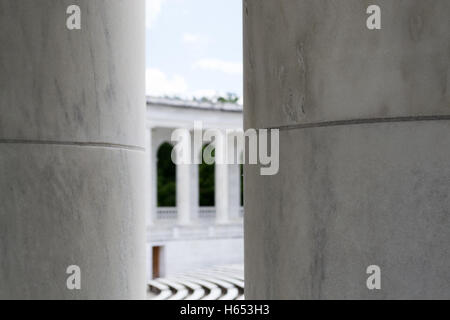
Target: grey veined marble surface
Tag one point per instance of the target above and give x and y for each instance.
(316, 61)
(70, 205)
(79, 85)
(364, 149)
(72, 188)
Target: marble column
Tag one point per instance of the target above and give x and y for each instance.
(184, 198)
(234, 174)
(188, 185)
(72, 151)
(364, 173)
(183, 179)
(221, 193)
(221, 180)
(195, 176)
(234, 189)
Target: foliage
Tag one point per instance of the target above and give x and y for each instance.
(166, 173)
(229, 98)
(207, 183)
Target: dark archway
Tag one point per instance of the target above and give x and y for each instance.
(206, 182)
(166, 175)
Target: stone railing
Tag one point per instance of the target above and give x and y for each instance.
(206, 213)
(168, 232)
(170, 214)
(167, 213)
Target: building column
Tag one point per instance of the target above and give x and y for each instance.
(364, 150)
(72, 150)
(234, 171)
(184, 197)
(195, 178)
(184, 171)
(221, 191)
(234, 195)
(221, 179)
(187, 185)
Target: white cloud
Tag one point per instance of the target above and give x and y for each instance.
(232, 68)
(153, 10)
(191, 38)
(160, 84)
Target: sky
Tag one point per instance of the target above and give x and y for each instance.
(194, 48)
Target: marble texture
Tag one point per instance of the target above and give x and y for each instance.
(349, 194)
(345, 198)
(316, 61)
(63, 85)
(72, 112)
(64, 205)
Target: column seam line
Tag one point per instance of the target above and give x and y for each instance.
(336, 123)
(73, 143)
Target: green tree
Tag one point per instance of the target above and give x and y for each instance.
(229, 98)
(207, 183)
(166, 175)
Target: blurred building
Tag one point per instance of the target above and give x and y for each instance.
(195, 215)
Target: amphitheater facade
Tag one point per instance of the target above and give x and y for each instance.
(187, 235)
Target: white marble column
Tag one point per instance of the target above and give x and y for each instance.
(183, 177)
(364, 173)
(222, 186)
(221, 180)
(72, 149)
(184, 197)
(235, 150)
(187, 187)
(234, 193)
(195, 178)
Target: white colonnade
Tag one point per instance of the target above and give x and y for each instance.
(227, 176)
